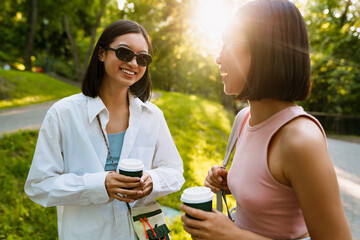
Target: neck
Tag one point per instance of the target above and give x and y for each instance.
(265, 108)
(114, 98)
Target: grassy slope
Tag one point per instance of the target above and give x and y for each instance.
(199, 127)
(20, 218)
(18, 88)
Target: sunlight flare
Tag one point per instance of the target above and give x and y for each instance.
(211, 17)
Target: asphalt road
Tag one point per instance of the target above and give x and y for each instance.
(346, 158)
(28, 117)
(345, 155)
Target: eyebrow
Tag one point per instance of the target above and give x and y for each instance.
(125, 45)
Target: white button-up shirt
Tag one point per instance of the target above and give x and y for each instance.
(68, 166)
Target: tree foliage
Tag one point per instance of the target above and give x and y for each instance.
(334, 29)
(69, 29)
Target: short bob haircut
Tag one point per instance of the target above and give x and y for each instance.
(279, 48)
(95, 71)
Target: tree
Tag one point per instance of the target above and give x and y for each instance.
(335, 48)
(80, 66)
(30, 36)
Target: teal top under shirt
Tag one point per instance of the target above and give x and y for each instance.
(116, 141)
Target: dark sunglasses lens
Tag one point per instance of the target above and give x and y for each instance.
(125, 54)
(143, 59)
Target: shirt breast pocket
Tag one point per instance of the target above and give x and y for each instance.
(145, 154)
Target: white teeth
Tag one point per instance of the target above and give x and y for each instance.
(127, 72)
(223, 74)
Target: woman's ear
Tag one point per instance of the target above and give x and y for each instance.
(101, 54)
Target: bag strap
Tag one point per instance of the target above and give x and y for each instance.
(235, 133)
(236, 130)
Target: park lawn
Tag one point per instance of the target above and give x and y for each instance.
(200, 129)
(19, 88)
(20, 218)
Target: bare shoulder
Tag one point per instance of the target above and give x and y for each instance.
(300, 134)
(302, 144)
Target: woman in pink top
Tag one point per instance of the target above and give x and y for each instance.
(282, 177)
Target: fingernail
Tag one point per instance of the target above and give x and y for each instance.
(220, 179)
(139, 192)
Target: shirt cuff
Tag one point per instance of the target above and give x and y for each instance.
(95, 187)
(156, 184)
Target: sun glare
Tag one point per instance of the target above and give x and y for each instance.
(210, 18)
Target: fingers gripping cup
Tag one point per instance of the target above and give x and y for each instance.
(131, 167)
(198, 197)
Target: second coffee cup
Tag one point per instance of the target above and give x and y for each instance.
(198, 197)
(131, 167)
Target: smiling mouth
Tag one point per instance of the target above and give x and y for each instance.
(223, 74)
(127, 71)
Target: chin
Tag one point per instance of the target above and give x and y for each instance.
(230, 92)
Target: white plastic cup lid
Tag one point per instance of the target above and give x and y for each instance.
(131, 165)
(197, 195)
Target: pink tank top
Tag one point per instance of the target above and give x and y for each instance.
(264, 206)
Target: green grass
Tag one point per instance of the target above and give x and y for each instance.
(18, 88)
(200, 129)
(20, 218)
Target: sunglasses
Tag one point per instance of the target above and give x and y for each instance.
(125, 54)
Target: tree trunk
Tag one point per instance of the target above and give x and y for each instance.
(343, 17)
(80, 68)
(32, 22)
(92, 40)
(73, 46)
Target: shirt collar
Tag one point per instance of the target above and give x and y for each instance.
(96, 105)
(135, 102)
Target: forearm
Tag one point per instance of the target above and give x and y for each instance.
(67, 189)
(165, 181)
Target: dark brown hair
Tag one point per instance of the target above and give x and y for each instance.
(279, 48)
(95, 71)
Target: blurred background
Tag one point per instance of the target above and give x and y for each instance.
(57, 37)
(44, 41)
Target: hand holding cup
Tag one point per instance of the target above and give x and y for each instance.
(128, 183)
(118, 186)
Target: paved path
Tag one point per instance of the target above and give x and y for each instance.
(345, 155)
(28, 117)
(346, 158)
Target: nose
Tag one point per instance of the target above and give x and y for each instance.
(133, 61)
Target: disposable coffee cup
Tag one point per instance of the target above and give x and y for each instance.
(131, 167)
(198, 197)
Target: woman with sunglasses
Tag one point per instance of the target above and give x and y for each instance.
(281, 177)
(84, 136)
